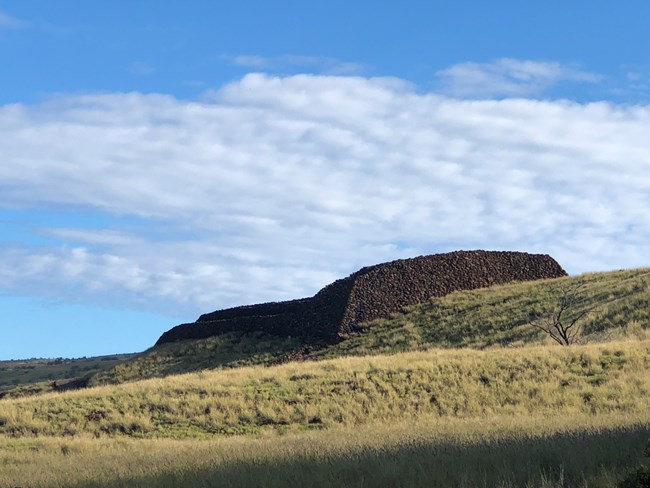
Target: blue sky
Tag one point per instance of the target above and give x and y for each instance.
(159, 160)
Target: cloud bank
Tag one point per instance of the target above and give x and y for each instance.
(271, 187)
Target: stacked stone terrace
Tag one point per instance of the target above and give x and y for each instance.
(371, 293)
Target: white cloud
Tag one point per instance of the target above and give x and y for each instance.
(9, 22)
(509, 77)
(271, 187)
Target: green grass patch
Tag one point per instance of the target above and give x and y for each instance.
(31, 376)
(501, 316)
(231, 350)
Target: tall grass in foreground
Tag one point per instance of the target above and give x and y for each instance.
(499, 452)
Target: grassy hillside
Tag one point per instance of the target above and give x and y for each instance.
(501, 316)
(498, 316)
(38, 375)
(230, 350)
(460, 391)
(543, 381)
(501, 417)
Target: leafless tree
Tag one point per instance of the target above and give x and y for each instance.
(564, 323)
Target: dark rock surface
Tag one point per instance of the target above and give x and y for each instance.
(372, 292)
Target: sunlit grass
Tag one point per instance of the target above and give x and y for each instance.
(498, 316)
(465, 383)
(501, 316)
(460, 391)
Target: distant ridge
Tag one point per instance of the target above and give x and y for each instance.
(372, 292)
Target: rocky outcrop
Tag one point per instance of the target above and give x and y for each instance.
(372, 292)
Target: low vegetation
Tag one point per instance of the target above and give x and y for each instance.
(580, 451)
(460, 391)
(593, 379)
(640, 477)
(30, 376)
(231, 350)
(503, 316)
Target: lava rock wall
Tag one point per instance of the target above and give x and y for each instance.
(371, 293)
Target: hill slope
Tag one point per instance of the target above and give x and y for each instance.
(465, 411)
(496, 316)
(29, 376)
(535, 381)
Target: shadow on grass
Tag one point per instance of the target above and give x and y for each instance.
(591, 460)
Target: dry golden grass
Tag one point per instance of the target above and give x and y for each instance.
(592, 379)
(490, 415)
(579, 450)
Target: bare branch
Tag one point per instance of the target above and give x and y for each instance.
(558, 323)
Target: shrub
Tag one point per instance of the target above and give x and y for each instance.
(640, 478)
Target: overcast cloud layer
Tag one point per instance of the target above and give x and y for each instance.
(270, 188)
